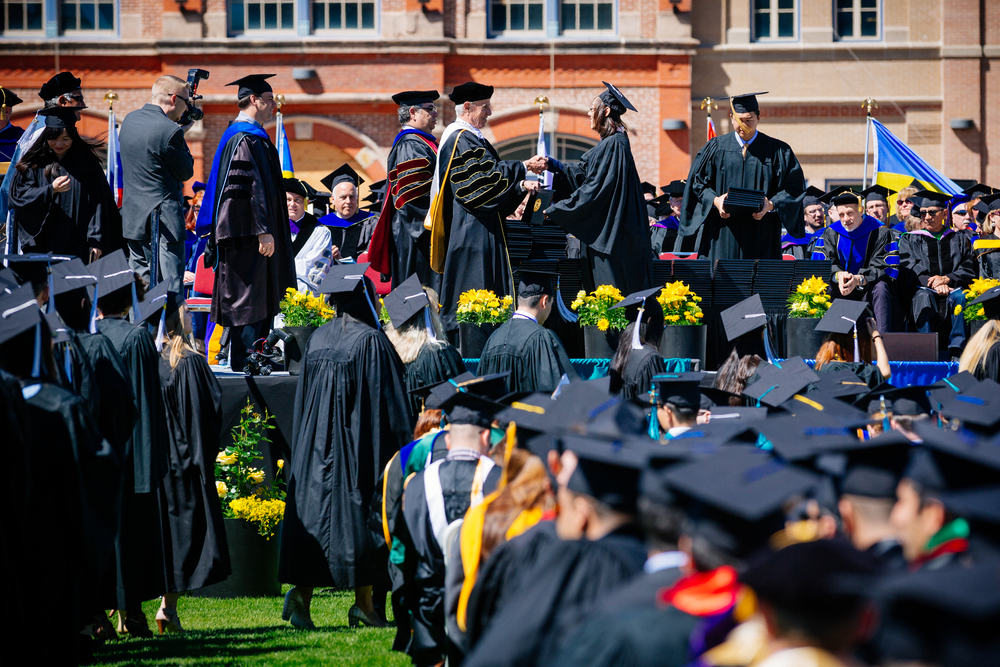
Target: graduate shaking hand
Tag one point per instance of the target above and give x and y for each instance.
(720, 203)
(768, 207)
(537, 164)
(266, 242)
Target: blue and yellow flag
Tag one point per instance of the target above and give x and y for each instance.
(896, 166)
(284, 152)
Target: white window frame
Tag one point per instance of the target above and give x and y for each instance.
(347, 32)
(575, 32)
(80, 32)
(508, 32)
(856, 10)
(7, 30)
(773, 13)
(248, 31)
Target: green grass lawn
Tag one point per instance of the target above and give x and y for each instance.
(249, 631)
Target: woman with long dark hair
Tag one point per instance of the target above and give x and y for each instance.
(601, 202)
(60, 196)
(854, 349)
(634, 366)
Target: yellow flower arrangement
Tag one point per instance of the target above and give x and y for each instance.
(483, 306)
(267, 514)
(594, 308)
(810, 299)
(680, 305)
(978, 286)
(303, 309)
(241, 483)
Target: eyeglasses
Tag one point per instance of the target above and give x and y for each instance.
(960, 212)
(186, 100)
(76, 97)
(428, 108)
(930, 212)
(903, 202)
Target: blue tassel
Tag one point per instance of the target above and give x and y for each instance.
(564, 312)
(135, 304)
(768, 350)
(368, 298)
(36, 365)
(52, 292)
(93, 311)
(67, 362)
(654, 424)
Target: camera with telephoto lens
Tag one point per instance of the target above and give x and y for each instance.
(193, 113)
(259, 361)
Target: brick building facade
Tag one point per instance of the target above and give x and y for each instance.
(927, 62)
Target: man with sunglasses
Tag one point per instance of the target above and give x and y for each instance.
(155, 164)
(938, 264)
(400, 242)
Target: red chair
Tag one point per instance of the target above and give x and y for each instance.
(204, 283)
(788, 258)
(381, 287)
(670, 255)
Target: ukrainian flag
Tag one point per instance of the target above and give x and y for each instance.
(896, 166)
(284, 152)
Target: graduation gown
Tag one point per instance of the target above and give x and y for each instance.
(72, 222)
(428, 644)
(987, 252)
(15, 448)
(351, 415)
(247, 193)
(770, 166)
(800, 247)
(76, 373)
(196, 553)
(140, 571)
(607, 212)
(411, 169)
(117, 414)
(868, 250)
(990, 368)
(639, 370)
(534, 355)
(480, 192)
(312, 252)
(351, 235)
(8, 142)
(661, 237)
(923, 255)
(868, 373)
(70, 522)
(434, 364)
(567, 576)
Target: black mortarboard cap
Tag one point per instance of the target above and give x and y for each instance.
(828, 196)
(648, 187)
(661, 206)
(615, 99)
(493, 387)
(848, 199)
(342, 174)
(425, 390)
(842, 316)
(877, 193)
(812, 196)
(843, 383)
(606, 471)
(874, 469)
(741, 481)
(535, 283)
(978, 190)
(674, 188)
(252, 84)
(797, 438)
(746, 316)
(296, 187)
(952, 460)
(344, 278)
(737, 413)
(809, 576)
(70, 275)
(60, 117)
(34, 267)
(929, 198)
(57, 328)
(988, 203)
(153, 302)
(8, 280)
(991, 303)
(824, 409)
(8, 98)
(405, 301)
(775, 385)
(636, 298)
(18, 312)
(979, 406)
(470, 92)
(680, 389)
(528, 412)
(465, 408)
(60, 84)
(113, 273)
(415, 97)
(745, 103)
(903, 401)
(376, 192)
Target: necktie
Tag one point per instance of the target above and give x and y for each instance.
(745, 146)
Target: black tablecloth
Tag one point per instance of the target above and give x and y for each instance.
(274, 393)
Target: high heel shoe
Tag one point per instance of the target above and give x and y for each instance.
(167, 620)
(294, 611)
(133, 625)
(356, 617)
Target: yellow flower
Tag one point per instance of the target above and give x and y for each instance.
(673, 318)
(222, 489)
(603, 324)
(256, 475)
(958, 309)
(281, 463)
(812, 311)
(225, 459)
(494, 313)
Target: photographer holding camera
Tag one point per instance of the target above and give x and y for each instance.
(155, 163)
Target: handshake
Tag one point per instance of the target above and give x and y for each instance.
(536, 165)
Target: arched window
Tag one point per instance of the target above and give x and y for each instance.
(563, 147)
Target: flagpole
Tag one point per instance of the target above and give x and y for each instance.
(869, 102)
